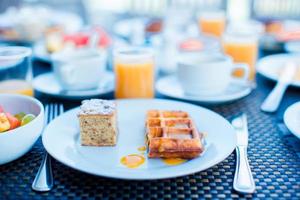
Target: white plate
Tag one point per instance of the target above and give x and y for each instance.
(61, 140)
(40, 52)
(292, 119)
(269, 66)
(169, 86)
(48, 84)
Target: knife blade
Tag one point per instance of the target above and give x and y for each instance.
(273, 100)
(243, 180)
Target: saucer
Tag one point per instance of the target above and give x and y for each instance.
(48, 84)
(170, 86)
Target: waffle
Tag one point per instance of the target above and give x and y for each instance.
(172, 134)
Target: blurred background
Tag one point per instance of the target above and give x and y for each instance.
(243, 29)
(152, 15)
(109, 13)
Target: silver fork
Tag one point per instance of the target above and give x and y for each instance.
(43, 180)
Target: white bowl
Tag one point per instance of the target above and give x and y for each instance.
(15, 143)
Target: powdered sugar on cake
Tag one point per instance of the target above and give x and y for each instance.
(97, 106)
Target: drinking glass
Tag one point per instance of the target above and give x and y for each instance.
(134, 72)
(243, 48)
(212, 22)
(16, 70)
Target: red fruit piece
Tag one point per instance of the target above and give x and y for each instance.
(1, 109)
(79, 39)
(13, 121)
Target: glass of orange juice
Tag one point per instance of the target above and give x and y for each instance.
(16, 70)
(134, 73)
(212, 22)
(243, 48)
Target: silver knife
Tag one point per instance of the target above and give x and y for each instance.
(273, 100)
(243, 180)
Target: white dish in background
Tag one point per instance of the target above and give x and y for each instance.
(126, 27)
(15, 143)
(79, 69)
(170, 86)
(31, 22)
(202, 74)
(292, 47)
(12, 55)
(270, 66)
(61, 140)
(48, 84)
(291, 119)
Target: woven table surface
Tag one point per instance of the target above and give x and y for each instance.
(272, 153)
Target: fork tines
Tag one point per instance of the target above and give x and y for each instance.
(52, 110)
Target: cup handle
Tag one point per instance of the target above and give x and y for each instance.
(245, 67)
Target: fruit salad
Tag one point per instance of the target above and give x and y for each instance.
(9, 121)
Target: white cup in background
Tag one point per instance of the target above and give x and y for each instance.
(79, 69)
(207, 73)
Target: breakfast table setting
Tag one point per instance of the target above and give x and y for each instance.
(88, 114)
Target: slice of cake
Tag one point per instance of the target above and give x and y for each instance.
(98, 123)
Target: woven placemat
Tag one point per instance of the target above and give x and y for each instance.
(275, 166)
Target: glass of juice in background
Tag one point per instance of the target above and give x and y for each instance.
(134, 73)
(16, 70)
(212, 22)
(243, 48)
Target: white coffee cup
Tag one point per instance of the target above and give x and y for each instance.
(79, 69)
(207, 73)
